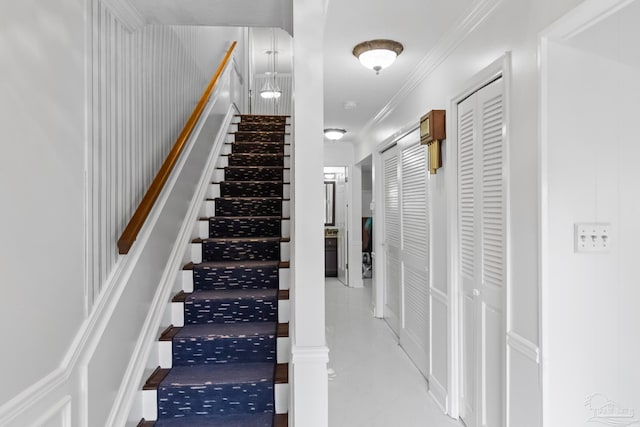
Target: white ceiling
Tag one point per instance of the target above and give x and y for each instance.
(417, 24)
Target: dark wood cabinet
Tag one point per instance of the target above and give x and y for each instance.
(331, 257)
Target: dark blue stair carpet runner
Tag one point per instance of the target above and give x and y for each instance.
(260, 275)
(233, 305)
(236, 342)
(224, 358)
(258, 147)
(253, 173)
(251, 189)
(241, 249)
(259, 136)
(248, 206)
(245, 227)
(241, 388)
(261, 127)
(241, 159)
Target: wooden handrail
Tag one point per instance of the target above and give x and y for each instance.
(130, 233)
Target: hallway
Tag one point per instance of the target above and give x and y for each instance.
(374, 384)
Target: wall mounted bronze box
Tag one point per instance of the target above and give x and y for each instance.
(432, 132)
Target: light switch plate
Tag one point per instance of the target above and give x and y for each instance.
(594, 237)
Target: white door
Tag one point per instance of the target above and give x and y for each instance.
(341, 221)
(482, 244)
(414, 334)
(391, 240)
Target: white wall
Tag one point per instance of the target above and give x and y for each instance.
(494, 28)
(42, 110)
(45, 89)
(591, 103)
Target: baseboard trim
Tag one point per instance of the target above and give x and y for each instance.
(523, 346)
(438, 392)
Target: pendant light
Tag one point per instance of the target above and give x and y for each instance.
(270, 89)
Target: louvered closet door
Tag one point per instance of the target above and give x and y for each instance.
(482, 249)
(391, 242)
(414, 335)
(467, 261)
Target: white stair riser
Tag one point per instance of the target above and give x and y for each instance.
(165, 352)
(203, 229)
(210, 208)
(196, 252)
(177, 312)
(281, 395)
(187, 279)
(218, 176)
(150, 406)
(214, 191)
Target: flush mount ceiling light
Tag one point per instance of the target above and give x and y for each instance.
(377, 54)
(334, 134)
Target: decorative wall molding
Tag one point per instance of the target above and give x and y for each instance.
(57, 414)
(480, 11)
(32, 395)
(309, 354)
(126, 13)
(523, 346)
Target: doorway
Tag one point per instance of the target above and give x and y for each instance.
(336, 222)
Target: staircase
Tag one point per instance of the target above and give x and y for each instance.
(229, 356)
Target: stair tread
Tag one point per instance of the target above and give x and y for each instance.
(252, 182)
(233, 264)
(228, 330)
(223, 294)
(245, 217)
(253, 167)
(279, 132)
(255, 154)
(229, 294)
(239, 239)
(266, 419)
(250, 198)
(239, 373)
(257, 142)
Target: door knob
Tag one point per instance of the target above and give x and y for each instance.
(476, 292)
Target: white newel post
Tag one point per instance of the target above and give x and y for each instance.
(309, 388)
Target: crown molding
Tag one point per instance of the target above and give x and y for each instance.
(480, 11)
(126, 13)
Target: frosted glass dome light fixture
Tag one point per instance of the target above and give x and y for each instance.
(270, 89)
(377, 54)
(334, 134)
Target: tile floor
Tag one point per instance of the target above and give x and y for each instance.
(374, 383)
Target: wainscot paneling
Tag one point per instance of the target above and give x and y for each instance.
(143, 85)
